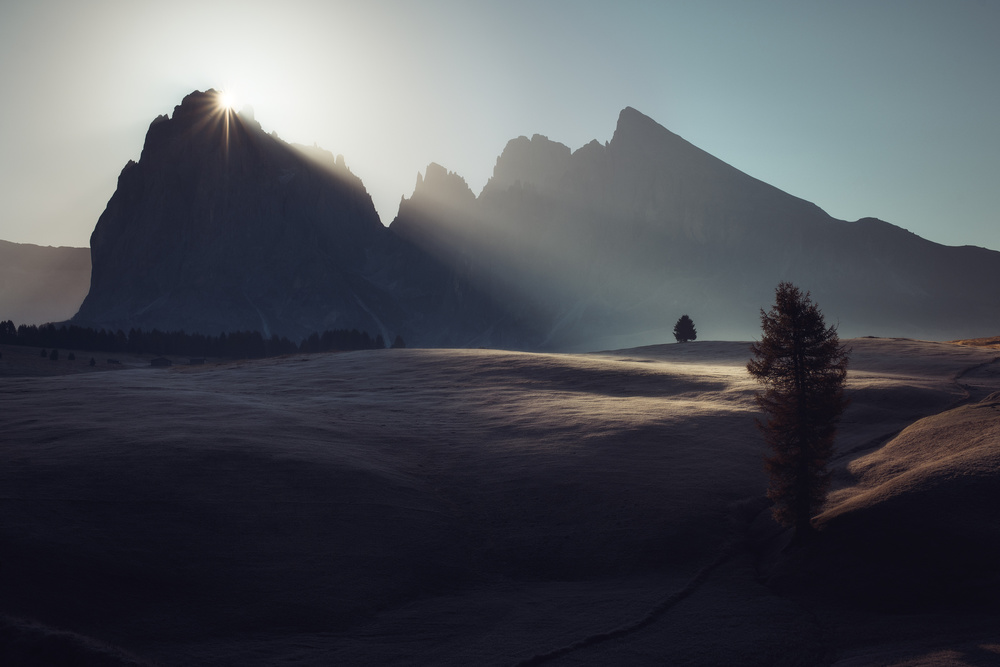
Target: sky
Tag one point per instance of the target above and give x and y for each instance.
(867, 108)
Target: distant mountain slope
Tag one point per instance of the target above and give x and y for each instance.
(41, 284)
(616, 241)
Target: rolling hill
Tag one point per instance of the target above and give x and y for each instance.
(478, 506)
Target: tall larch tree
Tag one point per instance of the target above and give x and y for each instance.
(803, 367)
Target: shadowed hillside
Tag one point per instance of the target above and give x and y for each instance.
(918, 526)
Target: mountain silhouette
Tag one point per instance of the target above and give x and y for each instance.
(220, 226)
(614, 241)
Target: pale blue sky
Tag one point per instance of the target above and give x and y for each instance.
(885, 109)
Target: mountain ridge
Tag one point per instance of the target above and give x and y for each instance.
(649, 208)
(221, 226)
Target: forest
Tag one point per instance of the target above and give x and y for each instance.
(232, 345)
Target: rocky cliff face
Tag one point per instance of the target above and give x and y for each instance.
(612, 243)
(220, 226)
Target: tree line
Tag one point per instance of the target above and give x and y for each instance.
(233, 345)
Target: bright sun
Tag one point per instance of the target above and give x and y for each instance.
(227, 101)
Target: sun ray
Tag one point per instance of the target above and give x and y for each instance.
(227, 101)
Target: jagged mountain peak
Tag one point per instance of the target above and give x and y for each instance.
(438, 195)
(208, 142)
(440, 183)
(537, 162)
(621, 237)
(543, 164)
(637, 133)
(631, 119)
(206, 114)
(221, 226)
(641, 137)
(196, 103)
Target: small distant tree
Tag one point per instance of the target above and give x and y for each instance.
(802, 366)
(684, 330)
(398, 342)
(71, 357)
(54, 355)
(93, 362)
(45, 352)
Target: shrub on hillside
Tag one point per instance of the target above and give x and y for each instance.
(684, 329)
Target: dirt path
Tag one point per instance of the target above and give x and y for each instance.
(667, 603)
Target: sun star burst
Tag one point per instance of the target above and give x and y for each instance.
(227, 101)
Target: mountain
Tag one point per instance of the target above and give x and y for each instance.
(40, 284)
(220, 226)
(613, 242)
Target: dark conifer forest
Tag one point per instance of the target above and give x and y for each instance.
(231, 345)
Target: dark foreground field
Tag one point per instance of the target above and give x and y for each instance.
(484, 507)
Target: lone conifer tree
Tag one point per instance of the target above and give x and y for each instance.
(802, 366)
(684, 330)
